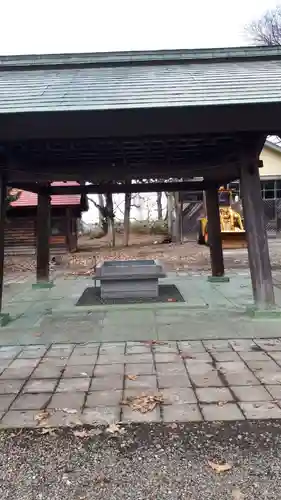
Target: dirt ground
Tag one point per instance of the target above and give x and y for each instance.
(188, 256)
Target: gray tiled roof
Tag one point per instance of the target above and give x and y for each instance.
(44, 84)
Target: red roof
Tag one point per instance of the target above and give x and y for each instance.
(28, 199)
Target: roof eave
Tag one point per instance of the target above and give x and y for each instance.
(136, 57)
(274, 147)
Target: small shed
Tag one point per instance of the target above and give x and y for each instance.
(66, 211)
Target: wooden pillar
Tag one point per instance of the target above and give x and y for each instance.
(181, 221)
(68, 229)
(178, 217)
(3, 190)
(214, 231)
(170, 210)
(258, 251)
(43, 236)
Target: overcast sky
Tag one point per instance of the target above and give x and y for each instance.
(53, 26)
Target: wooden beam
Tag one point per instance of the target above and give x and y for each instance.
(43, 237)
(214, 231)
(2, 234)
(161, 121)
(258, 251)
(119, 174)
(114, 187)
(129, 188)
(26, 186)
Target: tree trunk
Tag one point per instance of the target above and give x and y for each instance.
(110, 212)
(159, 206)
(101, 204)
(112, 232)
(103, 214)
(170, 208)
(177, 232)
(127, 211)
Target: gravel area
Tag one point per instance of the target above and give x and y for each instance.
(152, 462)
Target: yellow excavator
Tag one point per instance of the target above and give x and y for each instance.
(232, 227)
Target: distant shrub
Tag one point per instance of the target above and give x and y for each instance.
(159, 227)
(145, 227)
(96, 233)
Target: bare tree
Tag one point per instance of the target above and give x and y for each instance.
(106, 215)
(267, 29)
(127, 212)
(170, 212)
(111, 217)
(178, 217)
(101, 211)
(159, 206)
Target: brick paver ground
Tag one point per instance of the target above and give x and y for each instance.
(209, 380)
(65, 365)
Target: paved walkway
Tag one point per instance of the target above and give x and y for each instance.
(203, 359)
(68, 384)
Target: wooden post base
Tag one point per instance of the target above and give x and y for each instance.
(218, 279)
(258, 251)
(42, 284)
(214, 232)
(43, 236)
(3, 190)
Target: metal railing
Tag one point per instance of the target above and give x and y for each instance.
(272, 212)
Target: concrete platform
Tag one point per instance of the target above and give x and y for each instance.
(210, 310)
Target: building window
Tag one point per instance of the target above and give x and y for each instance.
(278, 190)
(268, 190)
(57, 227)
(235, 188)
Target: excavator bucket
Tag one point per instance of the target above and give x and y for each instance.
(233, 239)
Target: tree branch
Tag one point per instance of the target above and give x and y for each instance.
(267, 29)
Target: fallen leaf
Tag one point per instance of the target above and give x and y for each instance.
(131, 377)
(218, 468)
(150, 343)
(237, 494)
(48, 430)
(42, 417)
(84, 433)
(186, 355)
(143, 403)
(115, 428)
(173, 425)
(95, 432)
(101, 479)
(74, 421)
(255, 347)
(65, 478)
(70, 411)
(81, 434)
(15, 434)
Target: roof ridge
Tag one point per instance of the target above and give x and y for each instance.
(136, 57)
